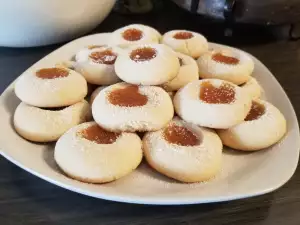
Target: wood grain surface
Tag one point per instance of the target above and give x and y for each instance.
(26, 199)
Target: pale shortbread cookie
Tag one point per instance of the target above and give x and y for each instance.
(187, 42)
(90, 154)
(125, 107)
(45, 125)
(253, 88)
(151, 64)
(63, 87)
(184, 151)
(135, 34)
(95, 93)
(264, 126)
(226, 64)
(187, 73)
(214, 113)
(96, 64)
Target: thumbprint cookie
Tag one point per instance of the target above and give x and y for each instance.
(226, 64)
(91, 154)
(51, 87)
(96, 64)
(48, 124)
(184, 151)
(264, 126)
(187, 73)
(95, 93)
(127, 107)
(187, 42)
(212, 103)
(135, 34)
(151, 64)
(252, 88)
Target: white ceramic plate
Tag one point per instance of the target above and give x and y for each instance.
(243, 174)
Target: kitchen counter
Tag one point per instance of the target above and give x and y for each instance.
(26, 199)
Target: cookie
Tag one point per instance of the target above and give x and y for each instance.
(45, 125)
(226, 64)
(96, 64)
(91, 154)
(135, 34)
(264, 126)
(212, 103)
(184, 151)
(126, 107)
(151, 64)
(51, 87)
(252, 88)
(187, 73)
(95, 93)
(187, 42)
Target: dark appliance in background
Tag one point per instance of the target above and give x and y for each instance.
(259, 12)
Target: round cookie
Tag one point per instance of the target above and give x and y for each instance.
(264, 126)
(45, 125)
(89, 153)
(51, 87)
(187, 73)
(126, 107)
(96, 64)
(135, 34)
(226, 64)
(187, 42)
(212, 103)
(184, 151)
(151, 64)
(95, 93)
(252, 88)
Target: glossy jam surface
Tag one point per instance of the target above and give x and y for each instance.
(132, 34)
(183, 35)
(98, 135)
(127, 97)
(143, 54)
(220, 58)
(107, 57)
(180, 135)
(256, 111)
(224, 94)
(52, 73)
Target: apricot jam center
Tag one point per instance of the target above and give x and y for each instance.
(183, 35)
(220, 58)
(143, 54)
(132, 34)
(52, 73)
(127, 97)
(104, 57)
(256, 111)
(98, 135)
(180, 135)
(223, 94)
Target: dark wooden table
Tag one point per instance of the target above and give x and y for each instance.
(26, 199)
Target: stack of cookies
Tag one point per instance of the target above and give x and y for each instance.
(168, 98)
(52, 103)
